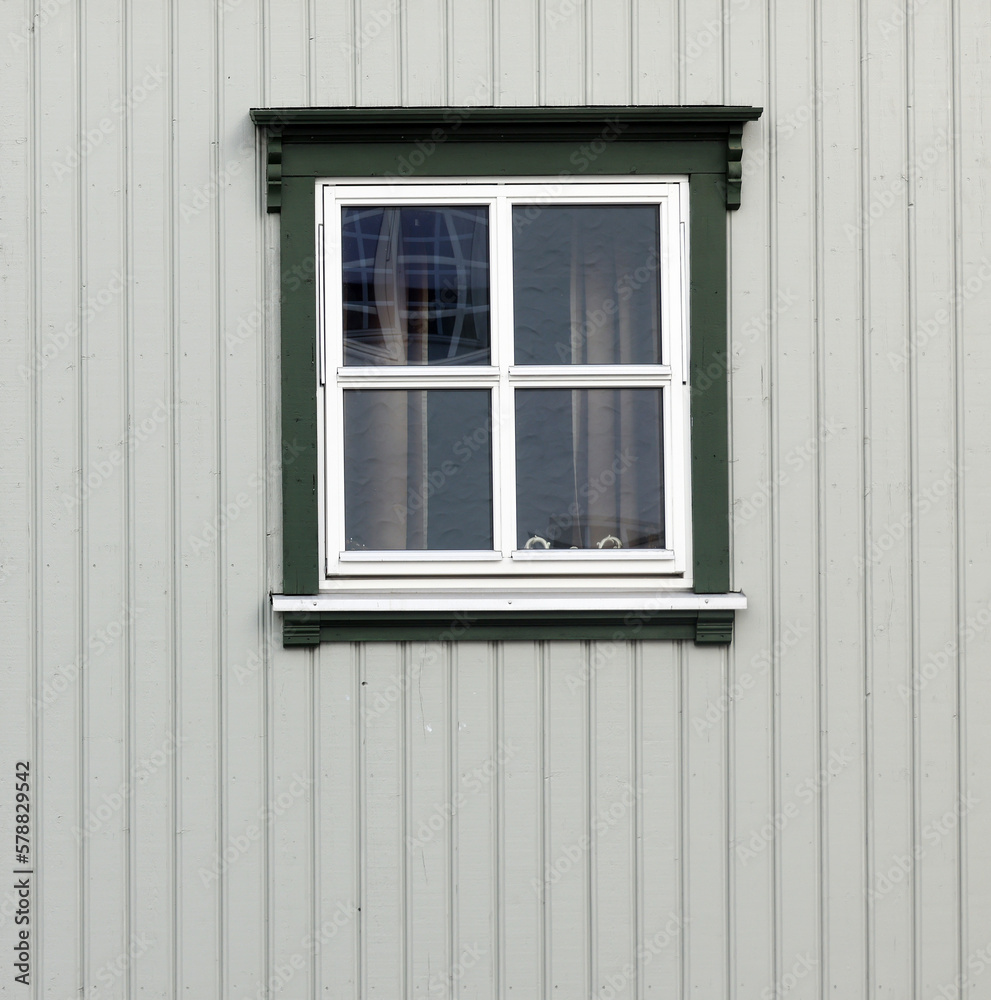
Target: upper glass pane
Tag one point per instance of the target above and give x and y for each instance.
(586, 284)
(416, 285)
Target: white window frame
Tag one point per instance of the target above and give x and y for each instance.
(572, 577)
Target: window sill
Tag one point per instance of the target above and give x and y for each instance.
(507, 615)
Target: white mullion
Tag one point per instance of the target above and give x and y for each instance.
(425, 381)
(607, 373)
(334, 357)
(674, 345)
(565, 379)
(504, 403)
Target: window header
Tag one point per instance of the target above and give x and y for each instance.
(709, 138)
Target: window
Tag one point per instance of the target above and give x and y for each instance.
(503, 351)
(503, 385)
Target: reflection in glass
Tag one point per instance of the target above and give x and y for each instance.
(586, 288)
(417, 469)
(416, 285)
(588, 468)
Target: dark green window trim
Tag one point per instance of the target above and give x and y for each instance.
(703, 142)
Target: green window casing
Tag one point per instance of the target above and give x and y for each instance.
(705, 143)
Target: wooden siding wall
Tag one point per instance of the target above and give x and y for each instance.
(810, 810)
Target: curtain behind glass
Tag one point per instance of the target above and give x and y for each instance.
(587, 292)
(586, 288)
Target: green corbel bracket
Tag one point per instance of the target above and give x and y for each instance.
(714, 627)
(734, 165)
(273, 172)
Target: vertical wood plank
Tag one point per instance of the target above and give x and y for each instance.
(747, 707)
(932, 368)
(424, 30)
(567, 833)
(429, 839)
(797, 432)
(516, 55)
(62, 644)
(108, 432)
(479, 760)
(249, 639)
(154, 566)
(703, 815)
(522, 818)
(661, 916)
(470, 53)
(616, 799)
(845, 959)
(610, 52)
(971, 306)
(20, 342)
(200, 544)
(703, 24)
(337, 934)
(888, 570)
(563, 78)
(336, 43)
(379, 54)
(656, 52)
(383, 804)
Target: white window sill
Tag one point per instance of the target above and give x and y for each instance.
(515, 600)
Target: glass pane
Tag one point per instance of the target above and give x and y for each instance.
(588, 469)
(416, 285)
(586, 289)
(417, 469)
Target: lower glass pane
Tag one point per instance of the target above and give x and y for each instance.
(588, 469)
(418, 469)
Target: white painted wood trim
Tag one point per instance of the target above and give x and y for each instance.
(512, 600)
